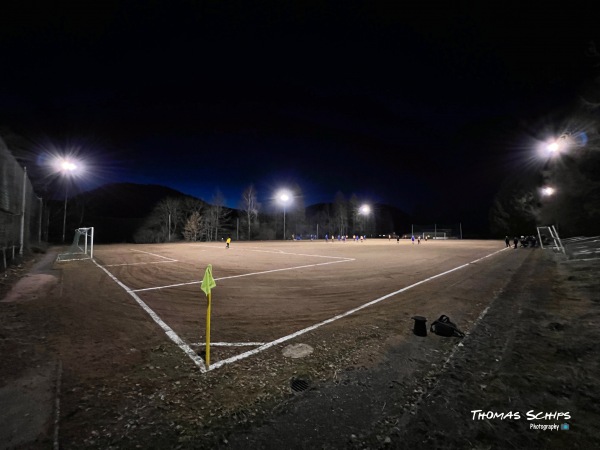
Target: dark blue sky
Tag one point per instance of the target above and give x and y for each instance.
(416, 106)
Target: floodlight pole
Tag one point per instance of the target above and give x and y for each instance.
(284, 222)
(284, 197)
(66, 167)
(22, 234)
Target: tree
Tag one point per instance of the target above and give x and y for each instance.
(217, 216)
(297, 213)
(574, 207)
(193, 228)
(340, 211)
(170, 215)
(195, 224)
(515, 208)
(250, 207)
(162, 224)
(354, 205)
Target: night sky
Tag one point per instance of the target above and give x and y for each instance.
(421, 107)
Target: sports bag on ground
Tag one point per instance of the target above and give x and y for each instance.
(444, 327)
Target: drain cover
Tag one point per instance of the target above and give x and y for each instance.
(299, 385)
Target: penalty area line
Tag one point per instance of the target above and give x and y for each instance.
(281, 252)
(153, 254)
(242, 275)
(141, 263)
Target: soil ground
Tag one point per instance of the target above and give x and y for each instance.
(85, 367)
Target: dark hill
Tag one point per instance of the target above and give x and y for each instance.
(126, 200)
(116, 211)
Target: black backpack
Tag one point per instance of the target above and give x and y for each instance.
(443, 327)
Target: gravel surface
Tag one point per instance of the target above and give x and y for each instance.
(528, 362)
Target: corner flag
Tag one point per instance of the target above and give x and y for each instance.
(208, 282)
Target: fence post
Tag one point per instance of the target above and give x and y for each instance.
(22, 235)
(40, 212)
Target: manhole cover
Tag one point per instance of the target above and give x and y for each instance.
(299, 385)
(297, 350)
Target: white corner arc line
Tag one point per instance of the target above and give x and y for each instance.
(339, 316)
(166, 328)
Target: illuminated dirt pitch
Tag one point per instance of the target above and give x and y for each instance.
(269, 293)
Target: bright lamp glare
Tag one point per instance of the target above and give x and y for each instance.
(552, 147)
(365, 209)
(68, 166)
(284, 197)
(548, 190)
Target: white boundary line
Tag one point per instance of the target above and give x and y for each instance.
(339, 316)
(243, 275)
(281, 252)
(168, 260)
(229, 344)
(141, 263)
(167, 329)
(153, 254)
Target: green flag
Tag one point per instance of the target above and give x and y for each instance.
(208, 282)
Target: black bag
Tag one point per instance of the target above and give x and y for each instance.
(443, 327)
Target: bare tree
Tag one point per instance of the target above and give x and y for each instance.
(217, 216)
(340, 207)
(250, 207)
(195, 224)
(162, 223)
(194, 228)
(170, 213)
(354, 207)
(191, 204)
(297, 213)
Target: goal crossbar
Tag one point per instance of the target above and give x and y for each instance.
(551, 230)
(82, 246)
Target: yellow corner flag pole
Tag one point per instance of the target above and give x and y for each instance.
(208, 282)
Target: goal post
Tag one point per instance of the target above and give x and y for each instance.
(549, 235)
(435, 231)
(82, 246)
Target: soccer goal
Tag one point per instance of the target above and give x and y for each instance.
(82, 246)
(548, 236)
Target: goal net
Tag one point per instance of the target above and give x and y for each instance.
(434, 231)
(549, 238)
(82, 246)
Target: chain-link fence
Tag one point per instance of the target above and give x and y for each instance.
(20, 209)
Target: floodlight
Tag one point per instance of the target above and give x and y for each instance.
(548, 190)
